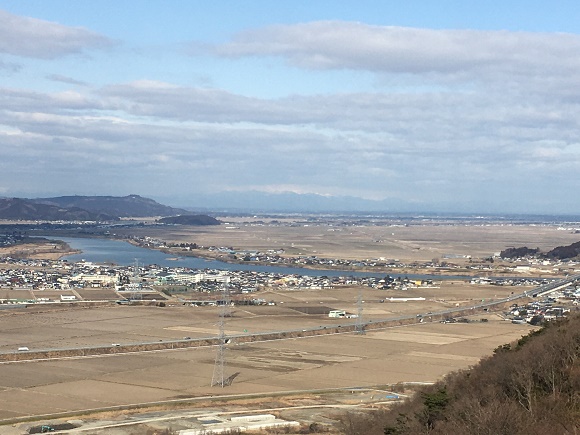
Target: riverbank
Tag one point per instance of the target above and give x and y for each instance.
(409, 270)
(38, 249)
(52, 248)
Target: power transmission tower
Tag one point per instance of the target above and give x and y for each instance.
(219, 378)
(226, 303)
(359, 324)
(135, 293)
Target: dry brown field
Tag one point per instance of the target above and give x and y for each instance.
(7, 293)
(406, 243)
(47, 250)
(96, 294)
(49, 327)
(422, 352)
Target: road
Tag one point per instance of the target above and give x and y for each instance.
(369, 398)
(344, 327)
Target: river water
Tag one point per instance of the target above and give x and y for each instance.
(125, 254)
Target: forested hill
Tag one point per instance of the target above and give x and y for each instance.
(87, 208)
(529, 387)
(197, 219)
(25, 209)
(121, 206)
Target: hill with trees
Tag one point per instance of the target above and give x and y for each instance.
(559, 253)
(197, 219)
(524, 251)
(96, 208)
(564, 252)
(529, 387)
(121, 206)
(24, 209)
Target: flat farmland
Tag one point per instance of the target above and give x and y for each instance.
(422, 352)
(416, 353)
(406, 243)
(44, 327)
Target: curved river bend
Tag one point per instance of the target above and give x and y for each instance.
(125, 254)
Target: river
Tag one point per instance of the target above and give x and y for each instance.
(125, 254)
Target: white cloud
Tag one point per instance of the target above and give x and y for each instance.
(31, 37)
(337, 45)
(505, 108)
(17, 101)
(375, 145)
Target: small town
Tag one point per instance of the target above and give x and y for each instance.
(30, 281)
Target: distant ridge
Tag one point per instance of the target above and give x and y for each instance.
(120, 206)
(26, 209)
(93, 208)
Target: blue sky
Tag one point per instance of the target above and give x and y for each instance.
(419, 105)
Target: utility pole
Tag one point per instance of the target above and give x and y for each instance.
(359, 325)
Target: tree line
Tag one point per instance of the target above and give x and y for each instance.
(558, 253)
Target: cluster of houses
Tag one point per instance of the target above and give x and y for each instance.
(9, 239)
(531, 264)
(546, 309)
(31, 274)
(61, 275)
(513, 281)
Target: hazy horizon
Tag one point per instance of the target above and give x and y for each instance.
(291, 203)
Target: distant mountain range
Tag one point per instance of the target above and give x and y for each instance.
(283, 202)
(252, 201)
(84, 208)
